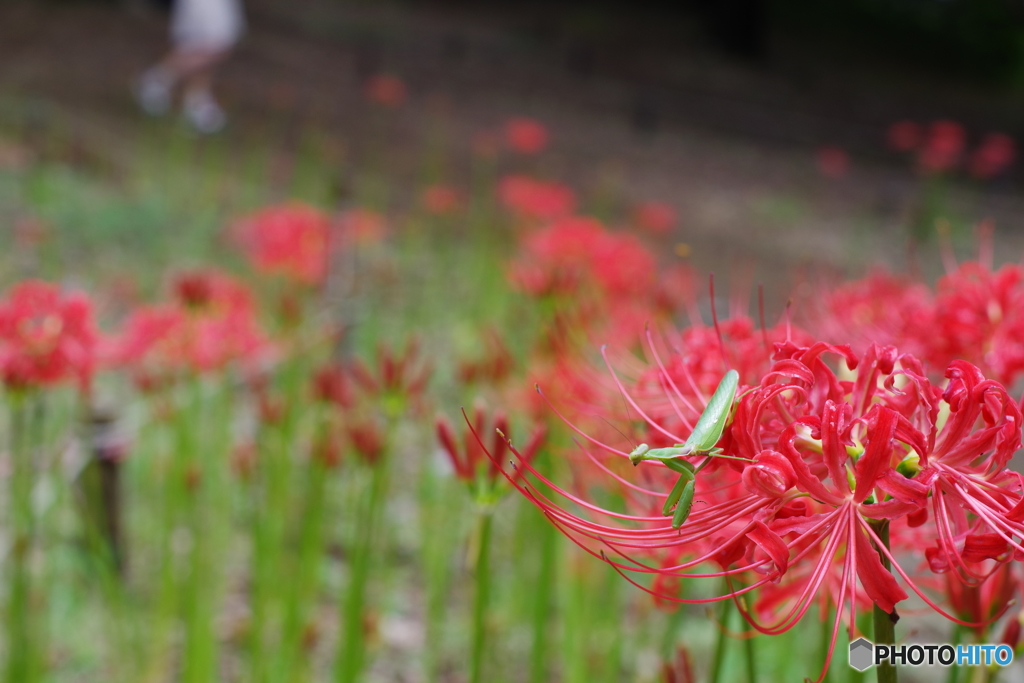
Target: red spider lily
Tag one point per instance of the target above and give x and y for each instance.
(676, 290)
(470, 461)
(196, 332)
(536, 200)
(290, 239)
(526, 136)
(880, 308)
(673, 392)
(331, 384)
(367, 439)
(984, 603)
(942, 147)
(832, 161)
(656, 218)
(441, 199)
(976, 318)
(993, 156)
(680, 670)
(396, 378)
(974, 314)
(327, 449)
(826, 460)
(975, 501)
(904, 136)
(575, 253)
(386, 90)
(46, 337)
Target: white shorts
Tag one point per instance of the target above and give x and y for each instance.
(207, 24)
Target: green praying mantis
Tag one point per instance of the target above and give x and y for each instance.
(701, 441)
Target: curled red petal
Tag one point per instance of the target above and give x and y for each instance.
(979, 547)
(770, 542)
(878, 583)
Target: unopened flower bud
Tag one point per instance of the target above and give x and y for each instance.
(771, 475)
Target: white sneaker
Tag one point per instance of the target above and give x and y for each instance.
(203, 113)
(153, 91)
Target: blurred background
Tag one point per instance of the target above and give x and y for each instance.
(784, 142)
(744, 116)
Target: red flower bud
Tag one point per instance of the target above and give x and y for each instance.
(771, 475)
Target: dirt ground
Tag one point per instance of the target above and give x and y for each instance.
(732, 146)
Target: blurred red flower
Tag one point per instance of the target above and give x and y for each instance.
(331, 384)
(386, 90)
(529, 198)
(942, 147)
(656, 218)
(993, 156)
(526, 136)
(904, 136)
(191, 333)
(46, 337)
(471, 462)
(832, 161)
(289, 239)
(577, 251)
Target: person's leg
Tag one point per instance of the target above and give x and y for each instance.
(193, 68)
(201, 109)
(156, 84)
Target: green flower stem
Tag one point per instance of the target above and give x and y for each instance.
(352, 650)
(885, 631)
(542, 597)
(304, 588)
(205, 441)
(724, 612)
(21, 626)
(481, 595)
(575, 621)
(436, 520)
(159, 481)
(750, 658)
(609, 625)
(271, 495)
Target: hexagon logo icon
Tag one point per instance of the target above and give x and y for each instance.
(861, 654)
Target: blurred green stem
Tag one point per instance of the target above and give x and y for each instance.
(724, 611)
(548, 542)
(437, 550)
(751, 659)
(205, 437)
(352, 650)
(885, 631)
(482, 584)
(21, 640)
(303, 591)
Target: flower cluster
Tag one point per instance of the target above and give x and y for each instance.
(289, 239)
(209, 322)
(826, 449)
(46, 336)
(530, 199)
(942, 146)
(973, 313)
